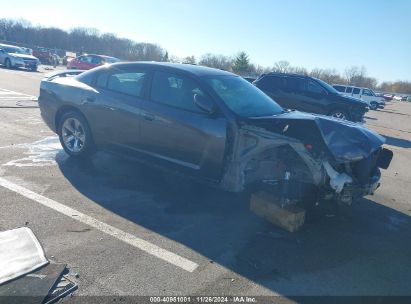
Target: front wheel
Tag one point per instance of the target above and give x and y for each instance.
(374, 106)
(75, 135)
(339, 113)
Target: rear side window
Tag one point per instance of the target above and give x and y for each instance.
(175, 90)
(125, 82)
(96, 60)
(349, 90)
(339, 88)
(356, 91)
(294, 84)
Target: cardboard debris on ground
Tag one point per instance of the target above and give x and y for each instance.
(264, 204)
(20, 253)
(25, 275)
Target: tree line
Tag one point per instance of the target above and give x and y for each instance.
(89, 40)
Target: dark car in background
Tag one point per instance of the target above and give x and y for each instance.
(311, 95)
(90, 61)
(214, 126)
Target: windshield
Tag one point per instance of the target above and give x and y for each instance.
(329, 88)
(243, 98)
(12, 50)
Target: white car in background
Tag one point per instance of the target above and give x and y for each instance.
(367, 95)
(15, 57)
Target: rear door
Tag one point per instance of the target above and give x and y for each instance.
(114, 107)
(293, 93)
(174, 130)
(95, 61)
(348, 91)
(314, 97)
(84, 62)
(273, 86)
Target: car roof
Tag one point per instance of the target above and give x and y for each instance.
(196, 70)
(285, 74)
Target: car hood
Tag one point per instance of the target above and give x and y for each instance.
(23, 56)
(353, 99)
(343, 140)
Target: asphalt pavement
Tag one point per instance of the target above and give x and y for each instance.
(127, 229)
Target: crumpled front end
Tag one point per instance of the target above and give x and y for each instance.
(306, 157)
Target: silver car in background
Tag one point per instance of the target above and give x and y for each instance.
(15, 57)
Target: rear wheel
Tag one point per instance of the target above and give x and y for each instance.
(8, 63)
(75, 135)
(339, 113)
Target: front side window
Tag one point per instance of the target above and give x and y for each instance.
(313, 87)
(86, 59)
(271, 83)
(243, 98)
(349, 90)
(129, 83)
(175, 90)
(366, 92)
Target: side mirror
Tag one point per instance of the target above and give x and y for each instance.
(204, 103)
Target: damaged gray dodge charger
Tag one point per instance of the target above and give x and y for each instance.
(215, 126)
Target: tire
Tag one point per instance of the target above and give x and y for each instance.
(340, 114)
(33, 69)
(7, 63)
(374, 106)
(75, 135)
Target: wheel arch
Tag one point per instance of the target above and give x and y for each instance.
(66, 109)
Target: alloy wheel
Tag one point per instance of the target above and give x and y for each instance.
(339, 115)
(73, 135)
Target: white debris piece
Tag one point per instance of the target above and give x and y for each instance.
(20, 253)
(337, 180)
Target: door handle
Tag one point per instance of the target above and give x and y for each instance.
(149, 117)
(88, 99)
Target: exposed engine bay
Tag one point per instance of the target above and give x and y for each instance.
(307, 158)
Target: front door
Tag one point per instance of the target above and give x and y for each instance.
(174, 130)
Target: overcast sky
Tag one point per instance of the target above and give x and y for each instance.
(309, 33)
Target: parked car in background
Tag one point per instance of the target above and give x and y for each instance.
(43, 54)
(404, 98)
(312, 95)
(14, 57)
(90, 61)
(397, 97)
(367, 95)
(214, 126)
(388, 97)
